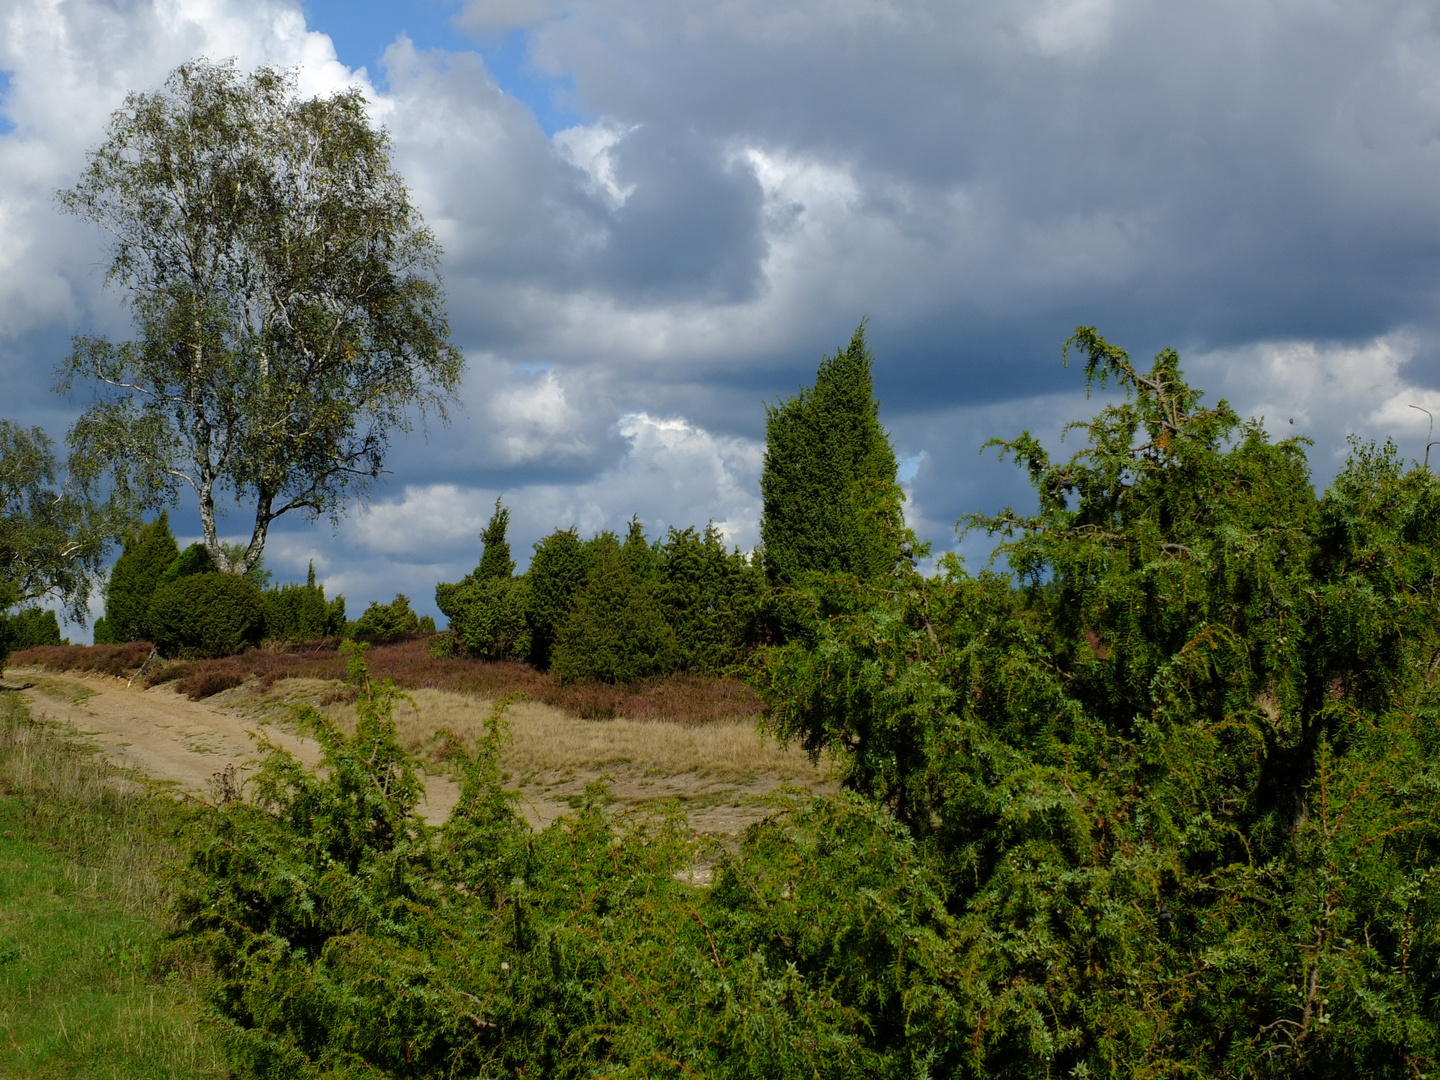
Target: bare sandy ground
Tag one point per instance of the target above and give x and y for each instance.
(721, 775)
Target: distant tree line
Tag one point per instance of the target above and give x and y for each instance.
(607, 609)
(181, 603)
(619, 610)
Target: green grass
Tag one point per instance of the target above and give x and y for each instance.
(91, 986)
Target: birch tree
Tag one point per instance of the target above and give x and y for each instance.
(285, 298)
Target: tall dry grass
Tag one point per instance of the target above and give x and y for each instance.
(544, 738)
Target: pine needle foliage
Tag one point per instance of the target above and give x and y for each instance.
(495, 560)
(381, 622)
(207, 615)
(831, 503)
(616, 632)
(301, 613)
(146, 555)
(1178, 768)
(557, 573)
(710, 597)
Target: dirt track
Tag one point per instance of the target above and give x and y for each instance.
(187, 743)
(166, 736)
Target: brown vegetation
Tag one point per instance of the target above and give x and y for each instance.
(118, 660)
(688, 699)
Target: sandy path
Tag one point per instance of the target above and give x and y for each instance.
(170, 738)
(166, 736)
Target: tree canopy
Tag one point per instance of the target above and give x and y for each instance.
(1179, 766)
(831, 504)
(53, 536)
(284, 292)
(136, 575)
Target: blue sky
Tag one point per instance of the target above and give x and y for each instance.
(657, 217)
(363, 29)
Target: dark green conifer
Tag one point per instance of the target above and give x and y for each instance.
(639, 554)
(831, 503)
(709, 597)
(615, 632)
(134, 579)
(558, 570)
(495, 560)
(195, 559)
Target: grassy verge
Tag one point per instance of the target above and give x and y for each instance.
(90, 985)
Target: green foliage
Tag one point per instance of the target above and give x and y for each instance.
(1163, 800)
(384, 621)
(641, 556)
(1179, 771)
(558, 570)
(136, 575)
(831, 503)
(195, 559)
(488, 609)
(29, 627)
(352, 940)
(53, 536)
(616, 631)
(710, 598)
(284, 294)
(495, 560)
(204, 615)
(335, 621)
(490, 617)
(300, 612)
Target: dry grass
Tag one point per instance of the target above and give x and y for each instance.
(684, 699)
(545, 739)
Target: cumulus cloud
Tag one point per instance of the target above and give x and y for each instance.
(1250, 182)
(1329, 393)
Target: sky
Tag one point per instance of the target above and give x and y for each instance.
(658, 217)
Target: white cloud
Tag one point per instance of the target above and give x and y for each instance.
(70, 66)
(1324, 391)
(587, 147)
(672, 473)
(536, 421)
(425, 518)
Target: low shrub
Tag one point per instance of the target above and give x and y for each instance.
(385, 622)
(204, 615)
(351, 939)
(121, 661)
(209, 681)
